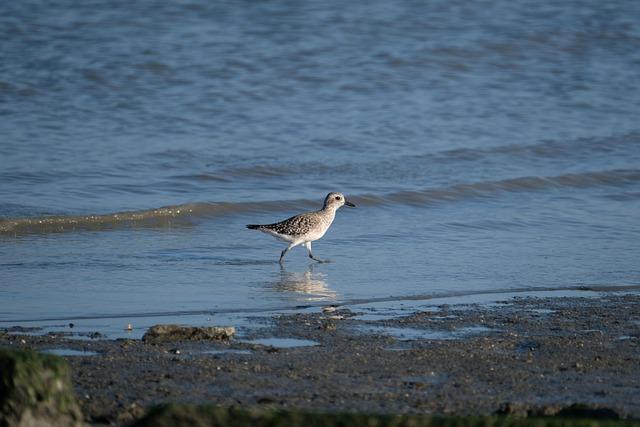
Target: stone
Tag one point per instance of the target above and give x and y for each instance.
(36, 390)
(171, 333)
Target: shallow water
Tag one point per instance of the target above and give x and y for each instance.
(412, 334)
(488, 146)
(69, 352)
(283, 342)
(226, 352)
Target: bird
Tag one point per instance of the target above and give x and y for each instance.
(307, 227)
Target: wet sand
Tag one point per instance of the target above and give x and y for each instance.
(528, 356)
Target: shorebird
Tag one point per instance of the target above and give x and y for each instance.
(307, 227)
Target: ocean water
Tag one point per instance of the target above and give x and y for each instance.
(490, 145)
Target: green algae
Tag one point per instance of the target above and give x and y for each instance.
(36, 386)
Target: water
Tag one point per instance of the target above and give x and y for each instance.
(69, 352)
(488, 145)
(218, 353)
(412, 334)
(283, 342)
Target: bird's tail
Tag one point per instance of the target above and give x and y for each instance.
(253, 226)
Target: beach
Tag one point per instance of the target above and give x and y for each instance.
(520, 356)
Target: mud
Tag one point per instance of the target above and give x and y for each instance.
(527, 356)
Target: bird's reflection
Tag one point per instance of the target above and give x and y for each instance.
(308, 285)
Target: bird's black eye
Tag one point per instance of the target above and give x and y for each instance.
(338, 197)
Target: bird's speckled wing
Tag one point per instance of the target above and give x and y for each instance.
(296, 225)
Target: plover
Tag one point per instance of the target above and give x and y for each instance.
(306, 227)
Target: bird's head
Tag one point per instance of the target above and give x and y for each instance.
(336, 200)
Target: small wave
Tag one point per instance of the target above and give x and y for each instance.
(201, 177)
(183, 214)
(520, 184)
(547, 149)
(269, 171)
(152, 218)
(623, 197)
(582, 148)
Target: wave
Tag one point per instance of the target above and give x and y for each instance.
(572, 150)
(184, 214)
(394, 167)
(522, 184)
(167, 216)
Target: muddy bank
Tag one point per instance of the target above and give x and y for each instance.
(523, 356)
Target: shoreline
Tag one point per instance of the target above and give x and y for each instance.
(113, 325)
(522, 356)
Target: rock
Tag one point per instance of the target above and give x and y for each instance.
(588, 411)
(514, 409)
(177, 416)
(328, 326)
(170, 333)
(36, 390)
(131, 413)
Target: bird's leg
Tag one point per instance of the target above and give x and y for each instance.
(308, 246)
(284, 252)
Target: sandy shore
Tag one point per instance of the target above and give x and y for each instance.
(524, 355)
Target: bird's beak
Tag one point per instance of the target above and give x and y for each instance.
(351, 205)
